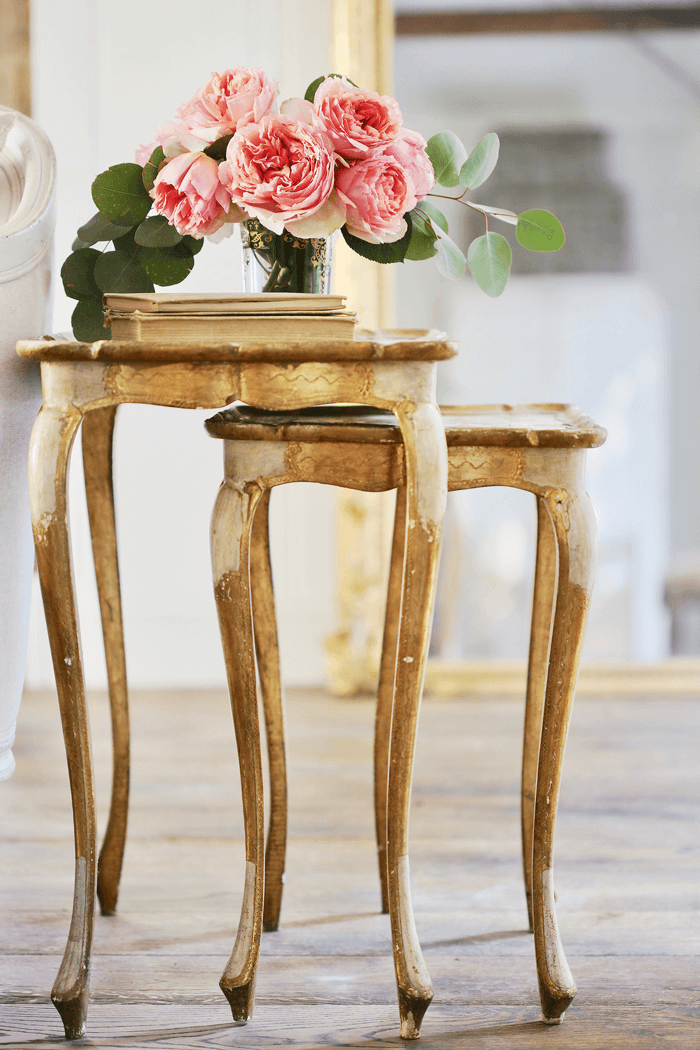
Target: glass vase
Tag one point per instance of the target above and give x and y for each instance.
(281, 262)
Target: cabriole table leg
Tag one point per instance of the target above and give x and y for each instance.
(574, 524)
(426, 478)
(97, 435)
(230, 549)
(52, 439)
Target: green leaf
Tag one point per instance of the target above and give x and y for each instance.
(100, 229)
(217, 150)
(422, 245)
(381, 253)
(77, 274)
(120, 272)
(480, 162)
(540, 231)
(489, 259)
(447, 155)
(433, 213)
(126, 243)
(315, 84)
(78, 244)
(88, 321)
(163, 266)
(193, 245)
(121, 196)
(450, 262)
(150, 168)
(156, 232)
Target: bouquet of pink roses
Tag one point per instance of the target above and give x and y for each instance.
(338, 159)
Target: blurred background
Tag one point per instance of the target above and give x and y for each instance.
(599, 122)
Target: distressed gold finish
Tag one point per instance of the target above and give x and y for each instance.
(97, 434)
(89, 380)
(537, 448)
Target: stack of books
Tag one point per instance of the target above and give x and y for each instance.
(216, 318)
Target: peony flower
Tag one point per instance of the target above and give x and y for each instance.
(281, 171)
(377, 193)
(227, 102)
(188, 192)
(409, 150)
(358, 122)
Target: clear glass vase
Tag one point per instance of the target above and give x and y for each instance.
(280, 262)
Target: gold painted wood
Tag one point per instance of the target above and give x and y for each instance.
(15, 71)
(267, 655)
(80, 379)
(97, 435)
(49, 455)
(497, 445)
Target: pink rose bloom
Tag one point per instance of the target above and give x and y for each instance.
(227, 102)
(188, 192)
(409, 150)
(358, 122)
(377, 193)
(281, 171)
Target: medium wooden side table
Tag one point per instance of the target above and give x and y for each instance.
(87, 381)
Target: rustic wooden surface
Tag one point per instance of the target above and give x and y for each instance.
(628, 871)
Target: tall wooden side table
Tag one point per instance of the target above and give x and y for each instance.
(83, 380)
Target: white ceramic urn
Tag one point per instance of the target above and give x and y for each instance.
(27, 220)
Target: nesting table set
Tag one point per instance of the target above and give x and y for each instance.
(398, 442)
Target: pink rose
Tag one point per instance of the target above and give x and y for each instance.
(188, 192)
(377, 193)
(409, 150)
(227, 102)
(281, 171)
(358, 122)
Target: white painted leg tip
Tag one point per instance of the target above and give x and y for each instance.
(552, 1020)
(7, 764)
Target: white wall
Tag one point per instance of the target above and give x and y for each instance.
(105, 74)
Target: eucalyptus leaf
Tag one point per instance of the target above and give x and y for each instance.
(447, 155)
(150, 168)
(315, 84)
(450, 260)
(217, 150)
(193, 245)
(100, 229)
(163, 266)
(156, 232)
(422, 245)
(126, 243)
(540, 231)
(480, 162)
(489, 258)
(77, 274)
(381, 253)
(504, 214)
(78, 244)
(87, 321)
(120, 272)
(433, 213)
(121, 196)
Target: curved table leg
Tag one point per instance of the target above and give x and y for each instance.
(49, 454)
(385, 693)
(267, 652)
(98, 431)
(540, 636)
(426, 476)
(230, 549)
(574, 524)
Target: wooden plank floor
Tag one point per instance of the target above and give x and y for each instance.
(628, 881)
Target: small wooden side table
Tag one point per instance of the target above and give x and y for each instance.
(83, 380)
